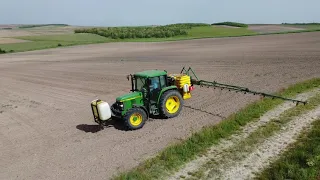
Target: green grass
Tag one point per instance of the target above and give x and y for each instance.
(308, 26)
(247, 145)
(200, 32)
(172, 157)
(53, 41)
(301, 161)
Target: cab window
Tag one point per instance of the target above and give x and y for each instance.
(163, 81)
(154, 83)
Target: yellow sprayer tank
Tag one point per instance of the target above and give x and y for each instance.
(183, 82)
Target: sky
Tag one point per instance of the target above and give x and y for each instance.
(156, 12)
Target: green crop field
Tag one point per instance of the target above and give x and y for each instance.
(183, 32)
(171, 32)
(303, 25)
(199, 32)
(52, 41)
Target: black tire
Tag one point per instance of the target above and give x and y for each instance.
(164, 112)
(132, 112)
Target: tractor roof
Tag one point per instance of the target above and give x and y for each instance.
(150, 73)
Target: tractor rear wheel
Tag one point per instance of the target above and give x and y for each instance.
(170, 104)
(135, 118)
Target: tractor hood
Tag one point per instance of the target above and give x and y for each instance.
(129, 96)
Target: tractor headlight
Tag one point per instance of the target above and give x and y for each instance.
(121, 105)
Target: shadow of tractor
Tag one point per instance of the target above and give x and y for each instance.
(94, 128)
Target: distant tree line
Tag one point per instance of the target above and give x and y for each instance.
(301, 23)
(228, 23)
(2, 51)
(41, 25)
(166, 31)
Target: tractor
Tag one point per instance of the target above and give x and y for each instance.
(157, 93)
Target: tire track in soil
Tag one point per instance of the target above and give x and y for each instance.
(270, 149)
(224, 144)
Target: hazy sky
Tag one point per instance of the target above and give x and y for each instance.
(148, 12)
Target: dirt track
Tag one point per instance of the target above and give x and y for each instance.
(45, 115)
(273, 28)
(45, 30)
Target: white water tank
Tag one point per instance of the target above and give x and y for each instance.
(101, 109)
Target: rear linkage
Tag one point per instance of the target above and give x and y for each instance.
(215, 85)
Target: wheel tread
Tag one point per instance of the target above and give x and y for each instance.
(127, 123)
(162, 102)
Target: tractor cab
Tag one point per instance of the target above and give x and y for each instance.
(150, 83)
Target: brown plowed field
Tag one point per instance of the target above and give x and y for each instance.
(47, 130)
(273, 28)
(11, 40)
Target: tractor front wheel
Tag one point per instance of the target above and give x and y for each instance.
(135, 118)
(171, 103)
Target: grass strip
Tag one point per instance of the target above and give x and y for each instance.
(174, 156)
(300, 161)
(247, 145)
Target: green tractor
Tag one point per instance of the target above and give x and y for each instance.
(155, 93)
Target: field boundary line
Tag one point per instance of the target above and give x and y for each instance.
(271, 148)
(244, 132)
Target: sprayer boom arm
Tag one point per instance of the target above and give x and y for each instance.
(245, 90)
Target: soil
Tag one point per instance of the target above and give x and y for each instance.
(271, 148)
(45, 30)
(46, 124)
(11, 40)
(272, 28)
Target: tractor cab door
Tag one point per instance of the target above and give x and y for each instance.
(156, 84)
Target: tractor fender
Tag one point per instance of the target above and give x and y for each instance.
(143, 108)
(164, 90)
